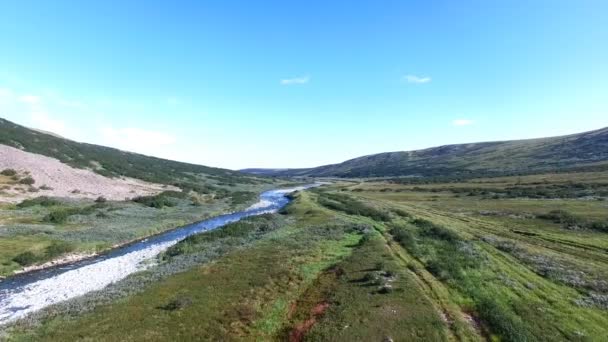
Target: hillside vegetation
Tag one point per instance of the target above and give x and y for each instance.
(584, 151)
(60, 198)
(108, 161)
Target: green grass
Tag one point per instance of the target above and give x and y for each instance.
(531, 279)
(95, 226)
(358, 308)
(338, 264)
(10, 248)
(239, 295)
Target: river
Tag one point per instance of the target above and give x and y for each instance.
(25, 293)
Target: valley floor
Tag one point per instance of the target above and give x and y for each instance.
(43, 229)
(371, 262)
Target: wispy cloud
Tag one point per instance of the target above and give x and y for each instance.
(5, 92)
(462, 122)
(135, 139)
(295, 80)
(30, 99)
(39, 114)
(416, 79)
(41, 120)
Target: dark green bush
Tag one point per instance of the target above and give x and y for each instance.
(351, 206)
(61, 215)
(158, 201)
(57, 216)
(429, 229)
(58, 248)
(570, 221)
(8, 172)
(177, 304)
(241, 197)
(599, 226)
(561, 216)
(405, 238)
(27, 181)
(501, 320)
(401, 213)
(25, 258)
(252, 226)
(164, 199)
(43, 201)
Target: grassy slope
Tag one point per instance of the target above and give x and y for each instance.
(113, 162)
(517, 156)
(540, 274)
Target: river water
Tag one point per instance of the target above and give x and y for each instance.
(26, 293)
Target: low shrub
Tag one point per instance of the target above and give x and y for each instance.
(246, 228)
(8, 172)
(561, 216)
(58, 248)
(42, 201)
(429, 229)
(404, 237)
(501, 320)
(571, 221)
(57, 216)
(241, 197)
(351, 206)
(164, 199)
(401, 213)
(26, 258)
(27, 180)
(177, 304)
(61, 215)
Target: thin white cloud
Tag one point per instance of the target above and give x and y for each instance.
(6, 96)
(39, 114)
(29, 99)
(462, 122)
(295, 80)
(71, 104)
(41, 120)
(135, 139)
(5, 92)
(416, 79)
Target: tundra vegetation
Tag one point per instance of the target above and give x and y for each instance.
(43, 228)
(374, 261)
(29, 228)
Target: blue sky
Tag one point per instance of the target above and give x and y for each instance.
(302, 83)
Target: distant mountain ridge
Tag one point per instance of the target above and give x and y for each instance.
(588, 149)
(262, 171)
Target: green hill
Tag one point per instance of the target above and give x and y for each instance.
(587, 150)
(108, 161)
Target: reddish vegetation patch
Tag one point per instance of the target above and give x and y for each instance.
(319, 309)
(298, 332)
